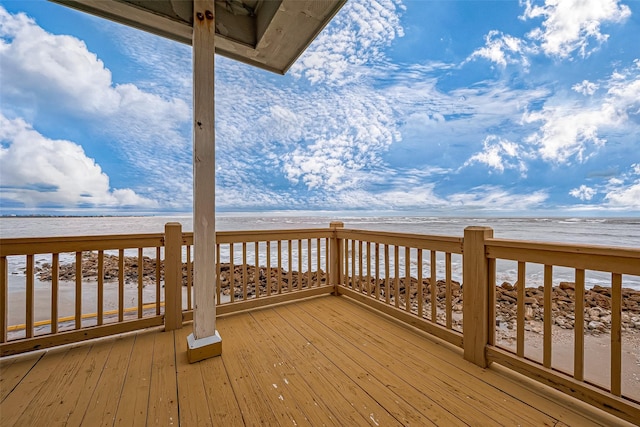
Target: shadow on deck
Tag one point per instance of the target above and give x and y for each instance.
(322, 361)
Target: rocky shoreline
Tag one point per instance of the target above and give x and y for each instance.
(597, 318)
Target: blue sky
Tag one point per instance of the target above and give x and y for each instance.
(527, 107)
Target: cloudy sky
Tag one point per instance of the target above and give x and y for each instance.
(527, 107)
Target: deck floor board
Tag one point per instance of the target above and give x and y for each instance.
(323, 361)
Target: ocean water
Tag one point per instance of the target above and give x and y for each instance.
(623, 232)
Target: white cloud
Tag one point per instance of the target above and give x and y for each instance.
(495, 198)
(57, 74)
(585, 87)
(572, 129)
(624, 192)
(39, 171)
(356, 37)
(503, 49)
(570, 25)
(500, 154)
(583, 192)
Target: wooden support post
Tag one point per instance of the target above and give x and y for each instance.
(204, 342)
(476, 284)
(172, 276)
(335, 252)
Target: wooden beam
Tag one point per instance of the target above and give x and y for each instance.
(204, 223)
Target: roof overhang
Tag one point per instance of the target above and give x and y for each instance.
(270, 34)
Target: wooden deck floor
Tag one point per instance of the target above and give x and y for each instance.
(323, 361)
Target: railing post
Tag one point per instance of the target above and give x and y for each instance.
(172, 276)
(335, 253)
(475, 288)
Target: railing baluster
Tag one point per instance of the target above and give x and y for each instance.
(268, 268)
(492, 301)
(520, 309)
(368, 268)
(245, 280)
(407, 278)
(256, 276)
(140, 295)
(318, 261)
(548, 321)
(578, 329)
(55, 285)
(360, 276)
(29, 297)
(279, 266)
(189, 278)
(4, 294)
(616, 334)
(290, 264)
(299, 265)
(387, 267)
(448, 306)
(78, 320)
(100, 320)
(120, 285)
(218, 275)
(232, 275)
(309, 262)
(158, 284)
(396, 272)
(433, 284)
(376, 285)
(353, 264)
(420, 285)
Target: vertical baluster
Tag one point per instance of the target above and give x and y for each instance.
(616, 334)
(218, 275)
(520, 309)
(326, 260)
(420, 286)
(140, 272)
(120, 285)
(369, 268)
(396, 272)
(245, 279)
(78, 319)
(189, 279)
(55, 272)
(100, 287)
(578, 328)
(318, 261)
(407, 278)
(434, 289)
(29, 297)
(387, 267)
(360, 275)
(4, 294)
(268, 268)
(547, 321)
(376, 285)
(290, 264)
(309, 262)
(232, 275)
(299, 265)
(353, 265)
(346, 264)
(492, 301)
(449, 308)
(256, 252)
(279, 266)
(158, 284)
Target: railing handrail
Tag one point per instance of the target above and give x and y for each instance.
(419, 241)
(615, 259)
(47, 245)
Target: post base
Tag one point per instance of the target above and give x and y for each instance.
(203, 348)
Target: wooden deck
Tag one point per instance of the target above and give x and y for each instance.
(322, 361)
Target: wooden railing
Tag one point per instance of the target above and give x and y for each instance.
(482, 252)
(414, 278)
(407, 276)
